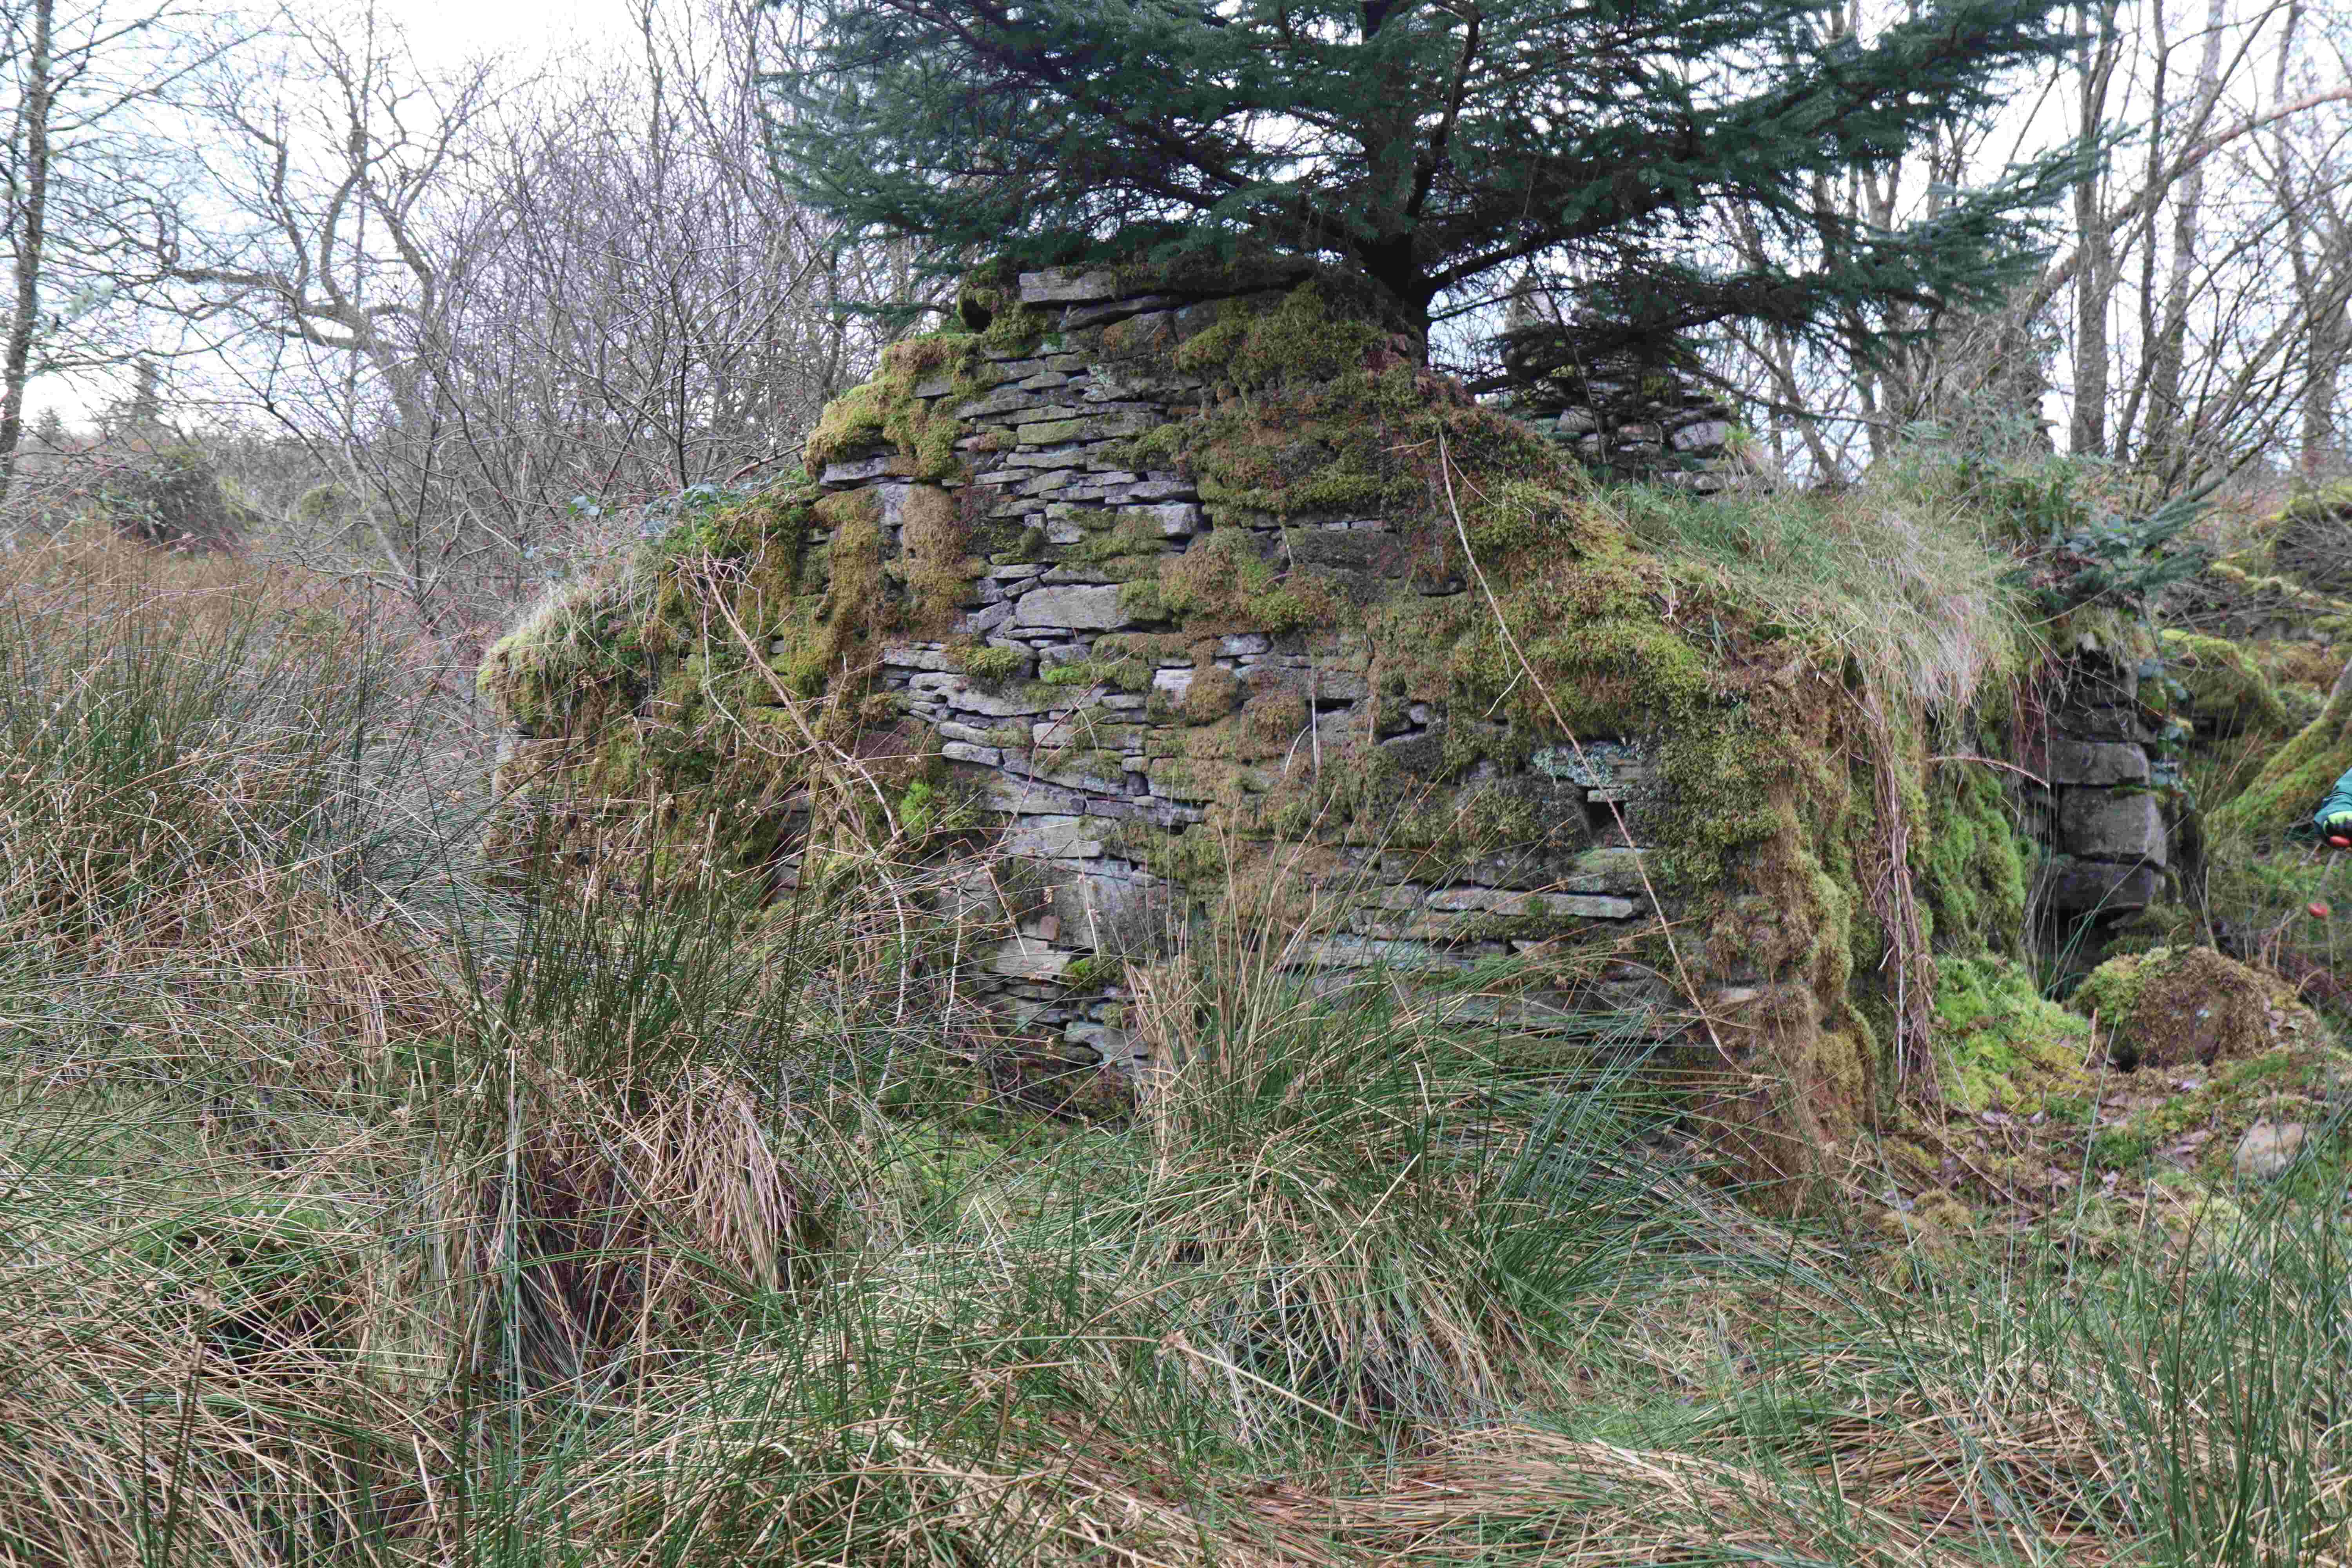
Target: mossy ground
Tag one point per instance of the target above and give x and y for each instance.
(2004, 1047)
(2123, 1109)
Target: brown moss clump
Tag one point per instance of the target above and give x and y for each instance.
(1226, 583)
(1214, 692)
(1276, 718)
(939, 567)
(2182, 1006)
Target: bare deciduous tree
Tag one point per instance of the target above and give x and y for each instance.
(490, 303)
(84, 87)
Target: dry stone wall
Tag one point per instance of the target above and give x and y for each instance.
(1628, 418)
(1164, 579)
(2101, 807)
(1085, 772)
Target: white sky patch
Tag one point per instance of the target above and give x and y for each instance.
(535, 33)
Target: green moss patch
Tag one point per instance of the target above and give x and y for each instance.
(701, 675)
(2295, 779)
(2003, 1046)
(2228, 692)
(920, 432)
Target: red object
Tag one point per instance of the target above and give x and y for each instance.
(2318, 910)
(2340, 841)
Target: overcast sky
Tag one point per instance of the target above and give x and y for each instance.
(547, 31)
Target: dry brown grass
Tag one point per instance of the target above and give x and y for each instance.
(603, 1230)
(615, 1244)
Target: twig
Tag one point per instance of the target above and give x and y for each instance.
(1994, 763)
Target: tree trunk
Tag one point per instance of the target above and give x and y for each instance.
(2095, 279)
(2164, 428)
(31, 236)
(2321, 448)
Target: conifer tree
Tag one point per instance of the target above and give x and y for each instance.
(1436, 146)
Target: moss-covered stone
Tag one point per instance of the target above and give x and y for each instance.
(919, 432)
(699, 676)
(2311, 540)
(2295, 779)
(2190, 1006)
(2228, 693)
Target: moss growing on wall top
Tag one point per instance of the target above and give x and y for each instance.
(698, 679)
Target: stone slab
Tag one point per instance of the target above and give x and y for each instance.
(840, 476)
(2082, 887)
(1055, 838)
(1074, 607)
(2111, 824)
(1094, 315)
(2097, 762)
(919, 655)
(1174, 520)
(1025, 797)
(1068, 286)
(1606, 870)
(1026, 960)
(963, 694)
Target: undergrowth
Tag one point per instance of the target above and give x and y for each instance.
(357, 1215)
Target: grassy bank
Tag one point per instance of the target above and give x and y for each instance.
(355, 1214)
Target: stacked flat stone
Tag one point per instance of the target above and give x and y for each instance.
(1627, 418)
(2101, 813)
(1069, 767)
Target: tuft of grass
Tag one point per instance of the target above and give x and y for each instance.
(1909, 582)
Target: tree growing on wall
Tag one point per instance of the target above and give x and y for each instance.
(1433, 146)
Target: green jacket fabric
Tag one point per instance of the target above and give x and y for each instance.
(2337, 804)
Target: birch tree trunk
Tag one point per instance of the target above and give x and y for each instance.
(32, 236)
(2162, 429)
